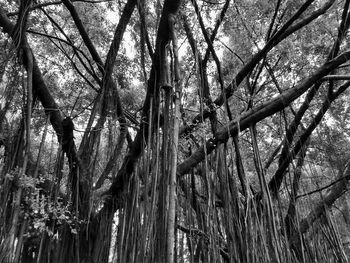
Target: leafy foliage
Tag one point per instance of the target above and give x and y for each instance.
(235, 111)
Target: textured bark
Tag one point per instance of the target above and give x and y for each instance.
(174, 152)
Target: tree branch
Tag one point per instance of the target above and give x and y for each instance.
(286, 30)
(259, 113)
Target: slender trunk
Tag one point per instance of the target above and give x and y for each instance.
(291, 222)
(174, 150)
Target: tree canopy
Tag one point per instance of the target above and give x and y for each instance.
(174, 131)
